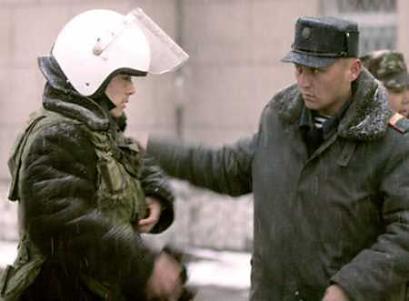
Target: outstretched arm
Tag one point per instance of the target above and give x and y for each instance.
(224, 170)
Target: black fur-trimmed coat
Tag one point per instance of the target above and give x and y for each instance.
(339, 216)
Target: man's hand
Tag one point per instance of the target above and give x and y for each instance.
(335, 293)
(154, 210)
(165, 282)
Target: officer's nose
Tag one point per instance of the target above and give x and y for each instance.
(304, 79)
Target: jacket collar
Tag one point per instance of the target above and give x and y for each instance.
(80, 108)
(365, 119)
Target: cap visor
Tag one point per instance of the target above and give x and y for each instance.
(308, 60)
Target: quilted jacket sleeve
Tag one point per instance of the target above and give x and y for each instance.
(155, 183)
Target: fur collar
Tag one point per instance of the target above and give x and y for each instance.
(366, 118)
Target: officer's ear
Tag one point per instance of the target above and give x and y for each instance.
(354, 69)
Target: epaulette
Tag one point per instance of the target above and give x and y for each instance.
(399, 123)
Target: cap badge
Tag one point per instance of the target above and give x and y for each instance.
(306, 33)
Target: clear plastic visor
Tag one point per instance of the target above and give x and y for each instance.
(166, 55)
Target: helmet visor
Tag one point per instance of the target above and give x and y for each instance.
(166, 55)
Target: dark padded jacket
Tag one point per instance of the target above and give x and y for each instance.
(339, 216)
(60, 210)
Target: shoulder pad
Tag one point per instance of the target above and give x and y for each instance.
(399, 123)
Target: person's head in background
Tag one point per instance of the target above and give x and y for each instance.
(390, 68)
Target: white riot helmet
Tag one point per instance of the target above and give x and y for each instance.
(97, 43)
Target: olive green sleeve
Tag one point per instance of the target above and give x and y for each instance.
(155, 183)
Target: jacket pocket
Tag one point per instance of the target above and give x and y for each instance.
(112, 176)
(4, 280)
(22, 273)
(16, 279)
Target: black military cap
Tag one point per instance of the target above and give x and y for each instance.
(320, 41)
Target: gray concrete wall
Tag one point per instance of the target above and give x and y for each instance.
(235, 67)
(403, 28)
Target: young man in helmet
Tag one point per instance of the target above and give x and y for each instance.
(329, 172)
(84, 192)
(390, 68)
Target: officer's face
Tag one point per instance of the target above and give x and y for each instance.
(326, 89)
(118, 91)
